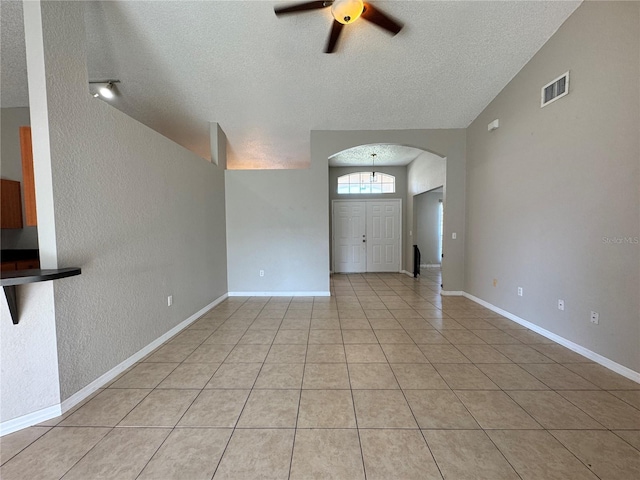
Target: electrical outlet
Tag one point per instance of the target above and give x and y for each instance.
(169, 300)
(519, 291)
(454, 235)
(595, 317)
(262, 273)
(561, 305)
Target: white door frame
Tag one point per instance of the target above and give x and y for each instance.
(368, 200)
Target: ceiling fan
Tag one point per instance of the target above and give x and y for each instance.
(344, 13)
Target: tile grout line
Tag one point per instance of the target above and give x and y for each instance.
(111, 429)
(304, 368)
(469, 412)
(353, 401)
(173, 429)
(536, 421)
(233, 429)
(433, 458)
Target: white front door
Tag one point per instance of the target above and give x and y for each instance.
(349, 249)
(383, 236)
(366, 236)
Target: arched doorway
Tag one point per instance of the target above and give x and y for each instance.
(353, 193)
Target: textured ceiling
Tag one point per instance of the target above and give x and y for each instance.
(386, 155)
(267, 83)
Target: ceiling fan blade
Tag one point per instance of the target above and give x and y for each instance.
(383, 20)
(301, 7)
(336, 29)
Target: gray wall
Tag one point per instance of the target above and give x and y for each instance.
(427, 233)
(142, 216)
(278, 221)
(546, 190)
(401, 192)
(11, 168)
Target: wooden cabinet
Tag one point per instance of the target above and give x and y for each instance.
(12, 266)
(27, 264)
(28, 180)
(11, 214)
(10, 204)
(8, 266)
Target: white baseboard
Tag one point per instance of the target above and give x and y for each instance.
(30, 419)
(407, 273)
(432, 265)
(596, 357)
(80, 395)
(57, 410)
(451, 293)
(280, 294)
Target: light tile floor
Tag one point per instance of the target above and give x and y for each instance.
(384, 380)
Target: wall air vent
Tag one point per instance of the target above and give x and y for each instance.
(554, 90)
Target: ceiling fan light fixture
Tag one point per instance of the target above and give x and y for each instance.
(347, 11)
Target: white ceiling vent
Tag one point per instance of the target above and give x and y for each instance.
(554, 90)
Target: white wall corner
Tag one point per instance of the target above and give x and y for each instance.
(30, 419)
(39, 112)
(218, 141)
(39, 416)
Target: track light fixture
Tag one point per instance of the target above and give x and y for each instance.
(103, 88)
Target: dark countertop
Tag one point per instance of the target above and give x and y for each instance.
(21, 277)
(10, 280)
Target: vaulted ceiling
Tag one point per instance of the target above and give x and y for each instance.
(267, 82)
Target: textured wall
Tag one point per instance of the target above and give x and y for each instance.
(449, 143)
(142, 216)
(278, 221)
(11, 168)
(427, 206)
(547, 187)
(28, 355)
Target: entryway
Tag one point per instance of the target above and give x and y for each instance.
(367, 235)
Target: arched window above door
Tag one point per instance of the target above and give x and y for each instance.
(366, 183)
